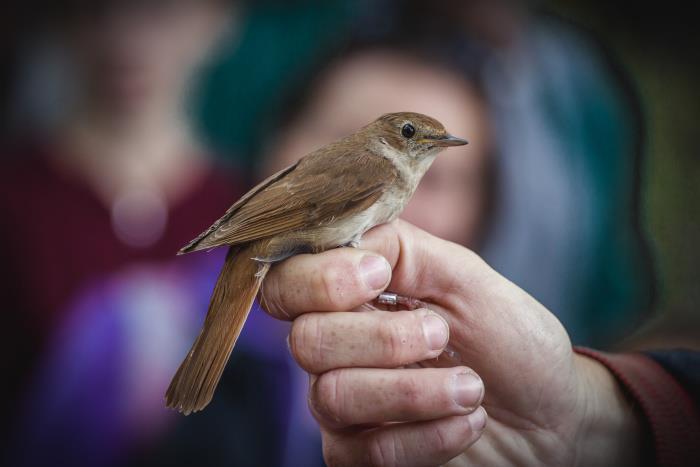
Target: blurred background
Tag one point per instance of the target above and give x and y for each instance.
(127, 127)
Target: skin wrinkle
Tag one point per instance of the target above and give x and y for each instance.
(506, 444)
(419, 257)
(384, 334)
(441, 443)
(426, 280)
(399, 451)
(320, 353)
(383, 449)
(329, 287)
(408, 264)
(400, 257)
(543, 448)
(389, 335)
(410, 390)
(459, 285)
(326, 383)
(511, 419)
(343, 276)
(294, 340)
(487, 441)
(586, 410)
(302, 356)
(445, 438)
(335, 389)
(275, 306)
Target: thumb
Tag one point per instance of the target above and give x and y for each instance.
(425, 266)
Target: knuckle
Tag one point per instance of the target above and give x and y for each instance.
(271, 299)
(325, 286)
(332, 283)
(385, 449)
(393, 336)
(445, 440)
(332, 455)
(440, 441)
(329, 398)
(306, 342)
(338, 453)
(412, 393)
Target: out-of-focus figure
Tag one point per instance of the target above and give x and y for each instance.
(370, 80)
(96, 311)
(97, 314)
(563, 138)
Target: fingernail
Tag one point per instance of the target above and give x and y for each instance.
(467, 389)
(375, 271)
(477, 419)
(436, 331)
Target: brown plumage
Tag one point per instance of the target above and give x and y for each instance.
(327, 199)
(193, 385)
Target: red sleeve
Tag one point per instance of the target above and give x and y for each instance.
(674, 420)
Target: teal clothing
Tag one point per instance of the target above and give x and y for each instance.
(567, 224)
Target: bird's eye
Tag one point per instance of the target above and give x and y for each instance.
(407, 131)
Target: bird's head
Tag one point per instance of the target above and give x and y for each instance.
(413, 134)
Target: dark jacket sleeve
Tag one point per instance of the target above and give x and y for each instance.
(664, 385)
(684, 366)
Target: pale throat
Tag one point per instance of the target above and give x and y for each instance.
(412, 168)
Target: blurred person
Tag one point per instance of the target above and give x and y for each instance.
(367, 80)
(565, 148)
(568, 136)
(96, 312)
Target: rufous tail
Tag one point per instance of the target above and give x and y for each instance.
(193, 386)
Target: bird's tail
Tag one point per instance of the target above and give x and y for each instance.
(193, 386)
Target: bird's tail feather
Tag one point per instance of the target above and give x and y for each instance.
(193, 386)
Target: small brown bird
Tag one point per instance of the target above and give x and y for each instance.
(329, 198)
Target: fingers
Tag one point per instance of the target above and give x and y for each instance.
(344, 278)
(406, 444)
(323, 341)
(423, 265)
(361, 396)
(337, 280)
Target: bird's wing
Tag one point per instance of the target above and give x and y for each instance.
(194, 245)
(318, 190)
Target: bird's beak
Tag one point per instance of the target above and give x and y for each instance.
(446, 140)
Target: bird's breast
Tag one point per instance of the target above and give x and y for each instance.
(344, 230)
(349, 229)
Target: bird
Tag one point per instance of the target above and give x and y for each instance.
(327, 199)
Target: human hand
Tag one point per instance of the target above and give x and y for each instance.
(546, 405)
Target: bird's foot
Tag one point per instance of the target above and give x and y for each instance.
(391, 299)
(394, 302)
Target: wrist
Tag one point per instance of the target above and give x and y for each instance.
(612, 429)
